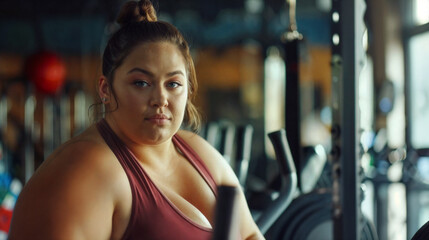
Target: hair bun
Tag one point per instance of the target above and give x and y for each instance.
(134, 11)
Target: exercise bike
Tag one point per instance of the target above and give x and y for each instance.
(291, 216)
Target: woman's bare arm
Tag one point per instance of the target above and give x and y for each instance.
(69, 197)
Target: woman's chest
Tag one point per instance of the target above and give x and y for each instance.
(188, 193)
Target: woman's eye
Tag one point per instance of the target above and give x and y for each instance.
(174, 84)
(141, 83)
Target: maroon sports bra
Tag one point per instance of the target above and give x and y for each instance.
(153, 216)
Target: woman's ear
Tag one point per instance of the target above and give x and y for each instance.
(104, 90)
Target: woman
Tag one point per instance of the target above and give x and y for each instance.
(135, 174)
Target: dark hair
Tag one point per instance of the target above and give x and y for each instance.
(139, 24)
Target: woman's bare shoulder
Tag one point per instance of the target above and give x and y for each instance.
(200, 145)
(76, 158)
(87, 148)
(193, 139)
(82, 172)
(215, 162)
(82, 162)
(88, 141)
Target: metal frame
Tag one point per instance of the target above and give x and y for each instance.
(347, 59)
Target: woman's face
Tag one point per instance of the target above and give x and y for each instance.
(151, 89)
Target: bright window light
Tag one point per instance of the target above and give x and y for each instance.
(419, 91)
(421, 11)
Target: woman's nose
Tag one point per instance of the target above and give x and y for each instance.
(159, 97)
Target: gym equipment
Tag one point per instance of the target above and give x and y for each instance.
(307, 216)
(335, 211)
(308, 160)
(64, 116)
(210, 133)
(221, 135)
(291, 40)
(30, 105)
(313, 164)
(289, 182)
(347, 58)
(244, 148)
(47, 71)
(50, 113)
(289, 217)
(49, 126)
(234, 143)
(226, 144)
(4, 155)
(80, 111)
(9, 187)
(226, 227)
(225, 211)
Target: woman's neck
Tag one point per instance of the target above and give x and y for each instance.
(154, 156)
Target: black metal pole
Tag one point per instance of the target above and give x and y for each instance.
(291, 41)
(292, 102)
(347, 61)
(226, 225)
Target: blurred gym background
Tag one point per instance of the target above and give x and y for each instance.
(50, 55)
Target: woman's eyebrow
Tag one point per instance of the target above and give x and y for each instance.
(178, 72)
(144, 71)
(141, 70)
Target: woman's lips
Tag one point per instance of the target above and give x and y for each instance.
(158, 119)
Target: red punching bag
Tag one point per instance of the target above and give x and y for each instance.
(47, 71)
